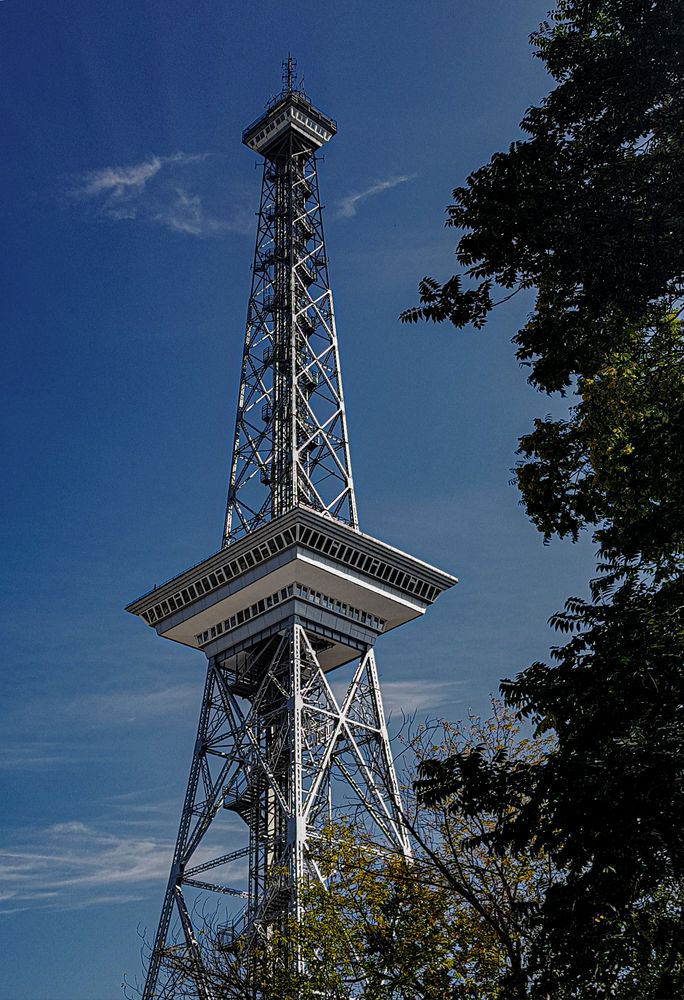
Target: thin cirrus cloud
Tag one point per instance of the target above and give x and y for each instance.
(66, 738)
(75, 865)
(72, 865)
(410, 696)
(347, 207)
(407, 697)
(31, 755)
(177, 192)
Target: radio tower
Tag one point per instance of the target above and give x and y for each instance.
(295, 592)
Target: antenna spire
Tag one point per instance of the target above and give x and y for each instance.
(290, 73)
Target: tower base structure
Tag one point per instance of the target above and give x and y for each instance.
(283, 748)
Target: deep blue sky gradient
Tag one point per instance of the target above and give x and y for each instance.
(121, 342)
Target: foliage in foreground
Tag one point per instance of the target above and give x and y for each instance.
(589, 211)
(451, 922)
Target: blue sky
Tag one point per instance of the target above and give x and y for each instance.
(127, 213)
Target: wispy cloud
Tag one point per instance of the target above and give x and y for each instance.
(130, 705)
(120, 183)
(347, 207)
(75, 865)
(72, 865)
(118, 191)
(67, 724)
(185, 213)
(175, 191)
(31, 755)
(410, 696)
(95, 709)
(418, 696)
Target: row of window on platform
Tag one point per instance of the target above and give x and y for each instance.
(297, 590)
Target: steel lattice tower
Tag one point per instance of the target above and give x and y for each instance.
(295, 592)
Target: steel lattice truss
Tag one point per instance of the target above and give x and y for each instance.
(290, 446)
(278, 749)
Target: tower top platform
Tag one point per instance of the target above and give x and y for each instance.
(291, 111)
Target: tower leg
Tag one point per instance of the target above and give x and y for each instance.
(176, 960)
(174, 893)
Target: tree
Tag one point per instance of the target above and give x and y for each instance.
(498, 890)
(451, 922)
(589, 211)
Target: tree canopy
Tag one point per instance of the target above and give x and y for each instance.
(588, 210)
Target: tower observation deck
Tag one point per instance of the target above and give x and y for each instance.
(295, 592)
